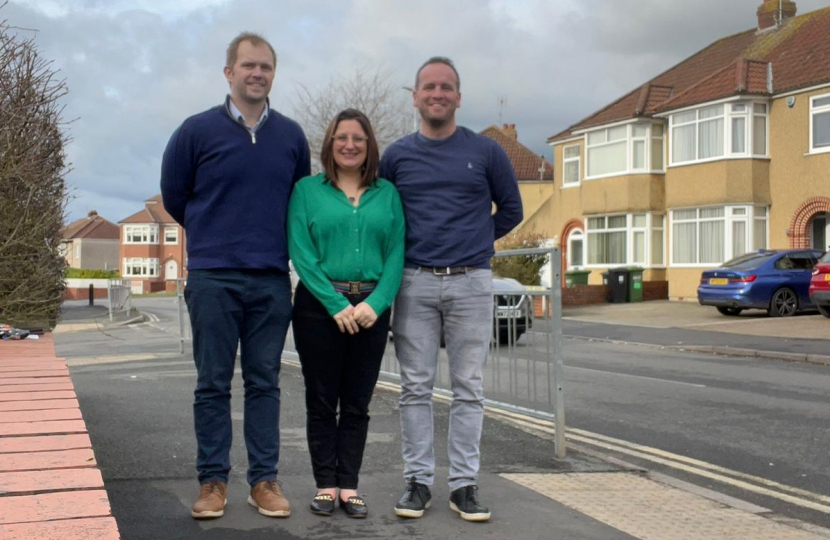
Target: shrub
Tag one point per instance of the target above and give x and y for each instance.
(523, 268)
(87, 273)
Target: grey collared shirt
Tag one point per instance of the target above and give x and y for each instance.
(237, 115)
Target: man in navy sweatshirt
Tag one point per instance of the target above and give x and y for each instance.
(226, 177)
(448, 178)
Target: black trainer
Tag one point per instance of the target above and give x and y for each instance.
(415, 500)
(464, 500)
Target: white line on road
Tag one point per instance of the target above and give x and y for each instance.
(636, 376)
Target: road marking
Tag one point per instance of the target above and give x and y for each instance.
(637, 376)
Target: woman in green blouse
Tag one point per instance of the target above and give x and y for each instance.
(346, 240)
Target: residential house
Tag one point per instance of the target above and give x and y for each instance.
(534, 173)
(153, 251)
(726, 152)
(91, 243)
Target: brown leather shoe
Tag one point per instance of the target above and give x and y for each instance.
(267, 497)
(212, 500)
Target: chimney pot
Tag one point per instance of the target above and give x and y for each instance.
(772, 13)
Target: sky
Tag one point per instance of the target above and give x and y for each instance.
(136, 69)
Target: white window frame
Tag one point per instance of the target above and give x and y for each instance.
(648, 140)
(141, 234)
(576, 235)
(749, 111)
(748, 214)
(816, 110)
(566, 160)
(653, 224)
(175, 235)
(148, 268)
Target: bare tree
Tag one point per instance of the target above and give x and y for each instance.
(369, 90)
(33, 193)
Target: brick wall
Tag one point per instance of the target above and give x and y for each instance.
(583, 295)
(82, 293)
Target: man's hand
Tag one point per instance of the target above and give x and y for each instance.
(364, 315)
(345, 320)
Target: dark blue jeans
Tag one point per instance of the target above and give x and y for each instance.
(250, 309)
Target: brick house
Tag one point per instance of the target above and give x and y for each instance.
(726, 152)
(91, 243)
(153, 253)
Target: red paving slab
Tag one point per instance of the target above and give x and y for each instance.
(31, 396)
(28, 482)
(26, 372)
(50, 487)
(80, 458)
(51, 506)
(33, 380)
(43, 443)
(17, 388)
(40, 416)
(88, 529)
(39, 405)
(42, 428)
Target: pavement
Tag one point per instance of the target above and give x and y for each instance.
(532, 495)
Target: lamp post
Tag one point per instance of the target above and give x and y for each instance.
(416, 120)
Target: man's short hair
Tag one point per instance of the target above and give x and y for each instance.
(438, 60)
(254, 39)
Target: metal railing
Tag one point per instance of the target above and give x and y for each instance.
(119, 296)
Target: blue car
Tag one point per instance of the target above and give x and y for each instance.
(774, 280)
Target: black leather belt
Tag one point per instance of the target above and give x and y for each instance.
(446, 270)
(354, 287)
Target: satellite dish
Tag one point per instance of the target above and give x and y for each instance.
(790, 101)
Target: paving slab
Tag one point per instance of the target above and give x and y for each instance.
(53, 459)
(10, 445)
(85, 529)
(28, 482)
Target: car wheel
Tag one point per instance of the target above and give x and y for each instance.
(784, 303)
(505, 336)
(730, 311)
(824, 310)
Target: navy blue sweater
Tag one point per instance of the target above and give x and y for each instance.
(447, 188)
(230, 190)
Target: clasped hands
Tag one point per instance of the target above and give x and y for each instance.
(352, 318)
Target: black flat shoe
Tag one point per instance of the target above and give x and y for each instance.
(355, 507)
(322, 504)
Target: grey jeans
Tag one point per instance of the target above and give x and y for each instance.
(461, 304)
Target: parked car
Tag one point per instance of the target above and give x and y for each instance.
(820, 285)
(514, 310)
(773, 280)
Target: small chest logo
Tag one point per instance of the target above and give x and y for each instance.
(470, 165)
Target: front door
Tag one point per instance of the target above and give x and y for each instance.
(171, 270)
(819, 232)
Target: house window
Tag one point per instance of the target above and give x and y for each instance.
(711, 235)
(135, 267)
(820, 123)
(570, 165)
(141, 234)
(625, 239)
(625, 149)
(171, 235)
(576, 249)
(719, 131)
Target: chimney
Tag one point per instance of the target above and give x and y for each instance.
(510, 131)
(772, 13)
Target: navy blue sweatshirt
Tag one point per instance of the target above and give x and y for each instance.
(447, 188)
(230, 189)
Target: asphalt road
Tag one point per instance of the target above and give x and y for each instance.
(756, 428)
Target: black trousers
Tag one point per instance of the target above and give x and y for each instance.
(340, 372)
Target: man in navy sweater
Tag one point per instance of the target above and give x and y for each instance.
(448, 178)
(226, 177)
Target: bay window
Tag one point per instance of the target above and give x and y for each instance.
(635, 239)
(718, 131)
(137, 267)
(141, 234)
(624, 149)
(713, 234)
